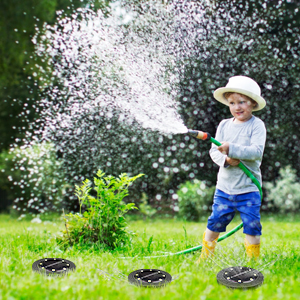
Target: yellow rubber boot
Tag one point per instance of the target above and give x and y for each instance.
(252, 250)
(208, 249)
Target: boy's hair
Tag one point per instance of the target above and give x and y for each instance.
(228, 94)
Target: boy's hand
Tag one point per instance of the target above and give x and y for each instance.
(224, 149)
(232, 161)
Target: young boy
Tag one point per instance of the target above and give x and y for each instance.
(243, 139)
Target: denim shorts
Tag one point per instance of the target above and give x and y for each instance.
(225, 206)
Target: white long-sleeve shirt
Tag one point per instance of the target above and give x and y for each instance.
(246, 143)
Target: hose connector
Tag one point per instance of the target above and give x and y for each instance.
(199, 134)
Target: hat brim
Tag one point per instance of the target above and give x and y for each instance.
(219, 95)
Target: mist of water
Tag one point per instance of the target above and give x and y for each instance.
(104, 67)
(96, 71)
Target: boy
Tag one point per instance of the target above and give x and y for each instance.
(244, 138)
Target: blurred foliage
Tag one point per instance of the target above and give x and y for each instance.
(19, 91)
(145, 209)
(103, 220)
(284, 194)
(195, 199)
(8, 191)
(40, 187)
(253, 38)
(19, 21)
(257, 38)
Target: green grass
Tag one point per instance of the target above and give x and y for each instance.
(22, 242)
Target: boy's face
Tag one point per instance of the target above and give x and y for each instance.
(241, 107)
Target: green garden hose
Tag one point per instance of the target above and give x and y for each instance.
(204, 136)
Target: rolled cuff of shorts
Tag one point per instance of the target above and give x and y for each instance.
(253, 231)
(216, 228)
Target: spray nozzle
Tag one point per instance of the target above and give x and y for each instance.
(199, 134)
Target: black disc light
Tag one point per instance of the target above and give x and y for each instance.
(53, 266)
(149, 278)
(240, 277)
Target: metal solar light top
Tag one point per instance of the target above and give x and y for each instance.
(53, 266)
(149, 278)
(240, 277)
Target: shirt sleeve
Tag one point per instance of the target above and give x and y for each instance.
(256, 148)
(217, 157)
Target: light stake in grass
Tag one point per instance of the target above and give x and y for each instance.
(53, 266)
(240, 277)
(149, 278)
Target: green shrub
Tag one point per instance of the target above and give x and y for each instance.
(103, 221)
(284, 195)
(195, 199)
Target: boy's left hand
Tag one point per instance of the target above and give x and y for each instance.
(224, 149)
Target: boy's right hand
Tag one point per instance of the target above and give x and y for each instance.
(232, 161)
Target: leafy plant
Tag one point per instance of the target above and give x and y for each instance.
(103, 220)
(284, 195)
(194, 199)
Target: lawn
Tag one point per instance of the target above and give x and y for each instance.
(23, 242)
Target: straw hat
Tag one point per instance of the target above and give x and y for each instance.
(242, 85)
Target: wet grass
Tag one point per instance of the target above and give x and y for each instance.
(22, 242)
